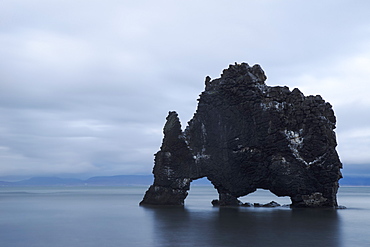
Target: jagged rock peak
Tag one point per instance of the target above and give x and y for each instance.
(238, 74)
(255, 74)
(173, 124)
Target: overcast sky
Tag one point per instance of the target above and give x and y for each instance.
(85, 85)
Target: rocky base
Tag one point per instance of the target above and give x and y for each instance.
(272, 204)
(157, 195)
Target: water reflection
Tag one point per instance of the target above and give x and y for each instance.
(174, 226)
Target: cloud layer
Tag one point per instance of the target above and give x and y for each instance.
(86, 86)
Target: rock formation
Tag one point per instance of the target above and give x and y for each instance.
(246, 135)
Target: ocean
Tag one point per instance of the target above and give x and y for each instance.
(111, 217)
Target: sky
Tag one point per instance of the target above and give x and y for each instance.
(86, 85)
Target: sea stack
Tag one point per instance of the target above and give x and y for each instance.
(246, 135)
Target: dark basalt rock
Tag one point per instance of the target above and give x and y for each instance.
(271, 204)
(246, 135)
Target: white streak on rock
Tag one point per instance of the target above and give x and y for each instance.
(262, 87)
(204, 132)
(273, 105)
(200, 156)
(295, 142)
(169, 172)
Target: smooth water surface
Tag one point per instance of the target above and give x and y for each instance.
(110, 216)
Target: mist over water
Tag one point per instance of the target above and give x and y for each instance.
(110, 216)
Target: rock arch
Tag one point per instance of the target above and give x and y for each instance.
(247, 135)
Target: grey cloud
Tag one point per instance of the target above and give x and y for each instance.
(86, 86)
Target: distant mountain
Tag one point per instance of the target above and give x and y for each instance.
(122, 180)
(47, 181)
(130, 180)
(119, 180)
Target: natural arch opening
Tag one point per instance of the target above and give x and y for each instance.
(201, 192)
(263, 197)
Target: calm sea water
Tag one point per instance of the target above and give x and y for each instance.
(110, 216)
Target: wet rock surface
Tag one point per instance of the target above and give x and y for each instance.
(271, 204)
(246, 135)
